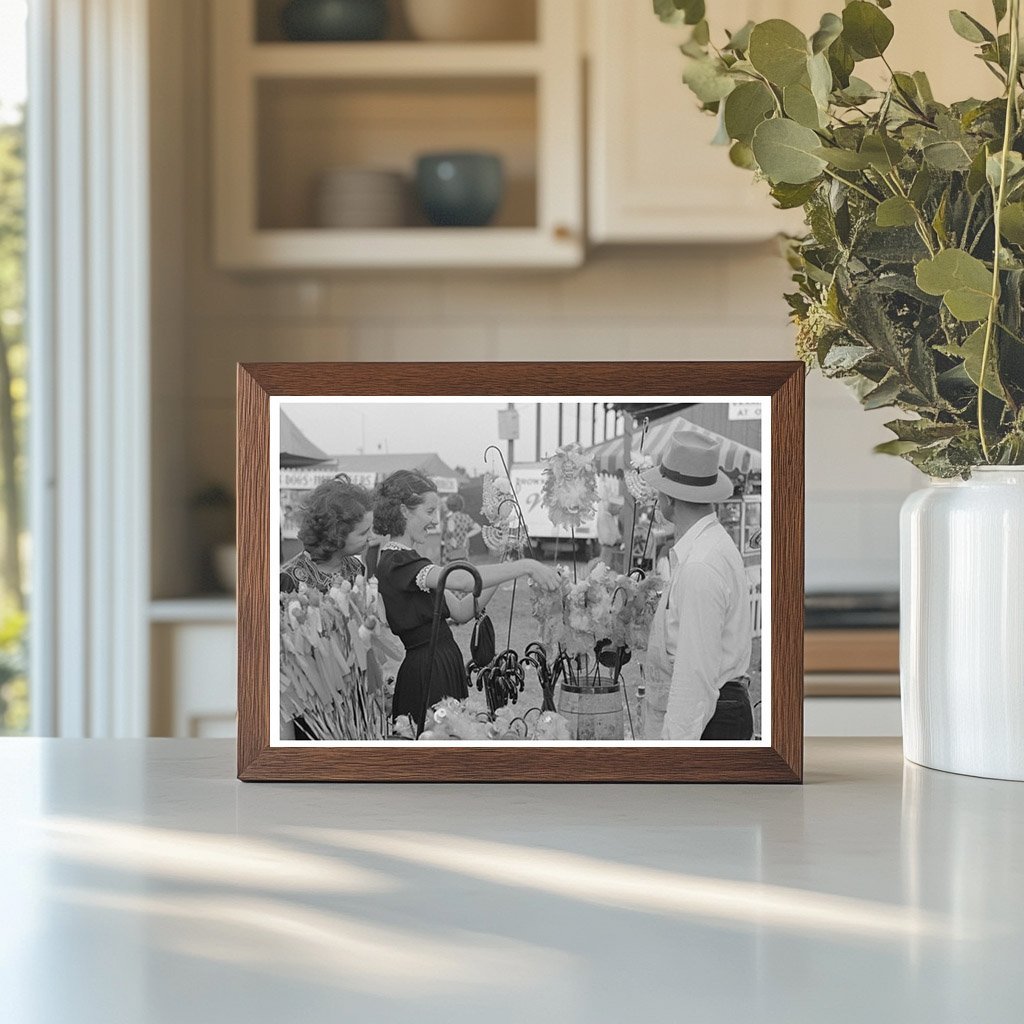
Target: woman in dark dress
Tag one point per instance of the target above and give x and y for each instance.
(336, 522)
(405, 509)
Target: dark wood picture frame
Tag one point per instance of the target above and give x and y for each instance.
(781, 761)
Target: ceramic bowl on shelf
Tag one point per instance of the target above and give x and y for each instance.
(470, 20)
(361, 198)
(460, 189)
(331, 21)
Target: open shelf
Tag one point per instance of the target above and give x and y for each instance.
(287, 113)
(519, 16)
(308, 127)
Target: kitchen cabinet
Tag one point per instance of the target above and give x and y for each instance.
(653, 175)
(287, 113)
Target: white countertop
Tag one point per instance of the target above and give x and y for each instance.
(144, 885)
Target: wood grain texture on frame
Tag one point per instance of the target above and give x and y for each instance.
(577, 762)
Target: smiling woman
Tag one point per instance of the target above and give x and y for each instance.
(14, 717)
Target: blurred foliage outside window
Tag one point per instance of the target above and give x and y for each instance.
(14, 705)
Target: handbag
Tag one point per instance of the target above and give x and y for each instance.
(482, 644)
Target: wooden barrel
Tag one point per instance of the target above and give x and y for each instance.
(592, 712)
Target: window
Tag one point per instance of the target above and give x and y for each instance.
(14, 704)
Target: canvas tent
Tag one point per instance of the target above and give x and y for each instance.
(610, 456)
(295, 448)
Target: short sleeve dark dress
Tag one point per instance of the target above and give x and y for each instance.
(410, 614)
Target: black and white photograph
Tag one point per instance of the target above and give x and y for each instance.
(531, 571)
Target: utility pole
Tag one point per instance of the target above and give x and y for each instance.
(511, 441)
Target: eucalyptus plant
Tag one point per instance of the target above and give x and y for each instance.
(910, 278)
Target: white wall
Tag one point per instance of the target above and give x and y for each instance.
(654, 303)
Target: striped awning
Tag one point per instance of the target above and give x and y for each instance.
(609, 456)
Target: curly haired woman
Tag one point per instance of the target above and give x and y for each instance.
(406, 508)
(336, 522)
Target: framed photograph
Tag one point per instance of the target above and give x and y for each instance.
(551, 572)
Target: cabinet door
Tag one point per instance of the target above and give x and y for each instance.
(654, 175)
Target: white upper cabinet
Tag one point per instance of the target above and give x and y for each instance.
(654, 175)
(300, 128)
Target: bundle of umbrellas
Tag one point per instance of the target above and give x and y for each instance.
(332, 647)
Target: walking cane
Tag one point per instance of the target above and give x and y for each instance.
(435, 629)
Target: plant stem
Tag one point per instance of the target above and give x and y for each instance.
(922, 225)
(850, 184)
(993, 309)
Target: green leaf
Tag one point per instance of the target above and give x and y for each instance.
(939, 220)
(968, 28)
(800, 105)
(923, 431)
(866, 29)
(676, 12)
(707, 80)
(976, 175)
(1014, 169)
(742, 155)
(895, 447)
(745, 108)
(841, 60)
(999, 6)
(883, 153)
(1012, 223)
(946, 156)
(789, 197)
(785, 152)
(885, 394)
(739, 41)
(701, 33)
(820, 76)
(778, 50)
(921, 185)
(830, 29)
(844, 159)
(924, 88)
(971, 352)
(896, 212)
(963, 281)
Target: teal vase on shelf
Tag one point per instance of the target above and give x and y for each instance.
(330, 21)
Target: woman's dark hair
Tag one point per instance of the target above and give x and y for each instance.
(455, 503)
(404, 487)
(329, 515)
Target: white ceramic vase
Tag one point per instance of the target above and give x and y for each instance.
(962, 624)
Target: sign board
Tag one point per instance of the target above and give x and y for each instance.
(744, 410)
(307, 479)
(508, 424)
(528, 481)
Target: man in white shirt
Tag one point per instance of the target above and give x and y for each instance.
(698, 653)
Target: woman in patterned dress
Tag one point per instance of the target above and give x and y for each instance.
(336, 521)
(405, 510)
(459, 528)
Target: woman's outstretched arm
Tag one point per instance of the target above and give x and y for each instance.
(461, 582)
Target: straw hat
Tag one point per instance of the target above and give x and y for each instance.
(690, 468)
